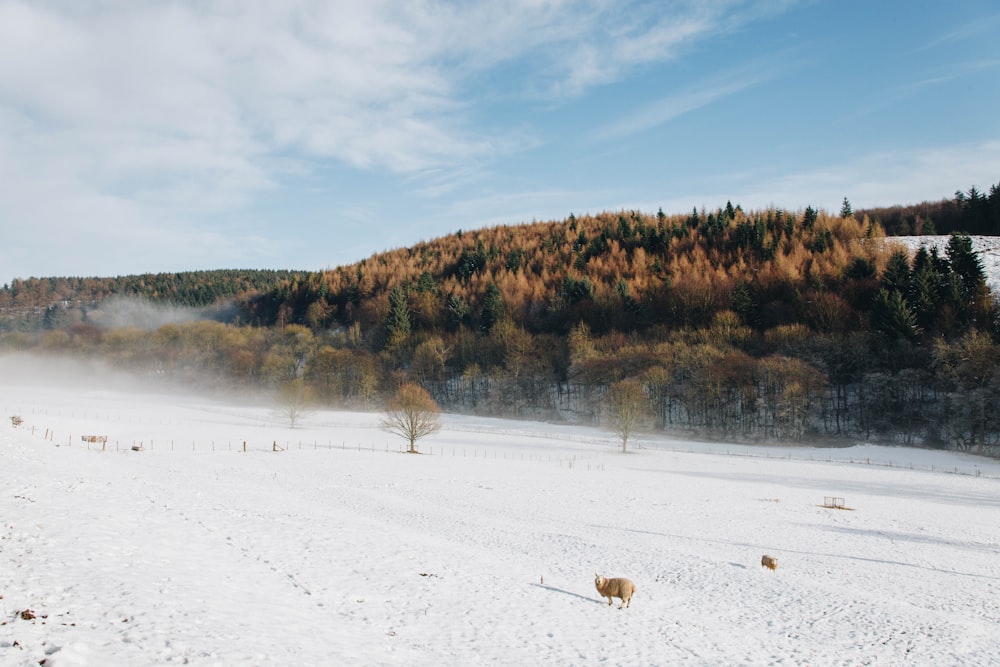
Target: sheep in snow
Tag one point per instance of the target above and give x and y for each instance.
(770, 562)
(618, 587)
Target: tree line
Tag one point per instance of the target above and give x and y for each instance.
(973, 211)
(32, 304)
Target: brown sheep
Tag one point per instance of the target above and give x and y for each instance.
(618, 587)
(770, 562)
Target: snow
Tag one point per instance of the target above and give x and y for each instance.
(483, 550)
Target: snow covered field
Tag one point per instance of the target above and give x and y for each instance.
(340, 550)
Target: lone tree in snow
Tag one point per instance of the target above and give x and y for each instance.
(294, 401)
(412, 414)
(628, 404)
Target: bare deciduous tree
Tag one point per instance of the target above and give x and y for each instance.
(295, 400)
(412, 414)
(629, 407)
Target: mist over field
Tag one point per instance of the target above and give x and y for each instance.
(169, 544)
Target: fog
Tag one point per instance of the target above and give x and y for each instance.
(83, 375)
(130, 311)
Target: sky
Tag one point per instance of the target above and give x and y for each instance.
(148, 137)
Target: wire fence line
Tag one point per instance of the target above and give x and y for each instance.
(100, 444)
(576, 460)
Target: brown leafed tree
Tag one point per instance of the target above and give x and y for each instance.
(295, 400)
(629, 407)
(412, 414)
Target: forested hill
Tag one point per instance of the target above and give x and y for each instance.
(50, 302)
(635, 272)
(56, 302)
(747, 325)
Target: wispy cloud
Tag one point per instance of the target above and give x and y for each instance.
(983, 25)
(894, 95)
(138, 117)
(685, 101)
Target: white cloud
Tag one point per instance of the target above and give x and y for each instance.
(122, 122)
(982, 25)
(672, 106)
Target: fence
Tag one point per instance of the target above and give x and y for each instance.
(104, 443)
(570, 461)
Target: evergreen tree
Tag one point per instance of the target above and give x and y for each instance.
(846, 211)
(493, 308)
(397, 320)
(923, 292)
(897, 273)
(809, 218)
(459, 312)
(966, 264)
(892, 316)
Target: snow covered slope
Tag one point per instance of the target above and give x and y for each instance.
(483, 550)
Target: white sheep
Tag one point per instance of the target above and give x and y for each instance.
(618, 587)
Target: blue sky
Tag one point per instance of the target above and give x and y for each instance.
(149, 137)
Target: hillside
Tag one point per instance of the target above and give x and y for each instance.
(743, 325)
(621, 271)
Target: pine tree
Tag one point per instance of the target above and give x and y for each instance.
(897, 273)
(845, 209)
(809, 218)
(966, 264)
(397, 320)
(892, 316)
(493, 308)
